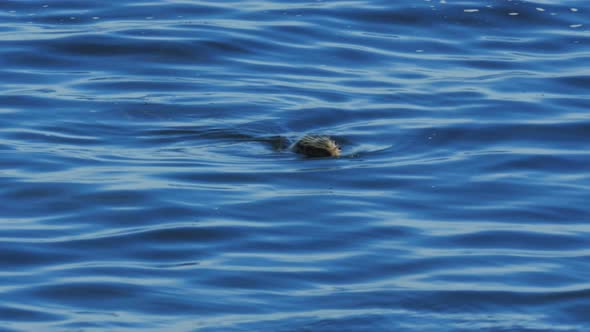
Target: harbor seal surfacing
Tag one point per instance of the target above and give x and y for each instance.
(317, 146)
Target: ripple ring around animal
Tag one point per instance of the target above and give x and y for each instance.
(317, 146)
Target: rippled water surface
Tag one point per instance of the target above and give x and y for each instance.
(146, 182)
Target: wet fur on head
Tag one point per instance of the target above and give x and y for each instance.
(317, 146)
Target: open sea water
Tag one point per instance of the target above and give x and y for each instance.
(146, 182)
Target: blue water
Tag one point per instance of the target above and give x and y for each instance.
(145, 183)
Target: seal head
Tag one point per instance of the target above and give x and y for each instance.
(317, 146)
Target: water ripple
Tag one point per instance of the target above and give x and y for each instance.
(147, 180)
